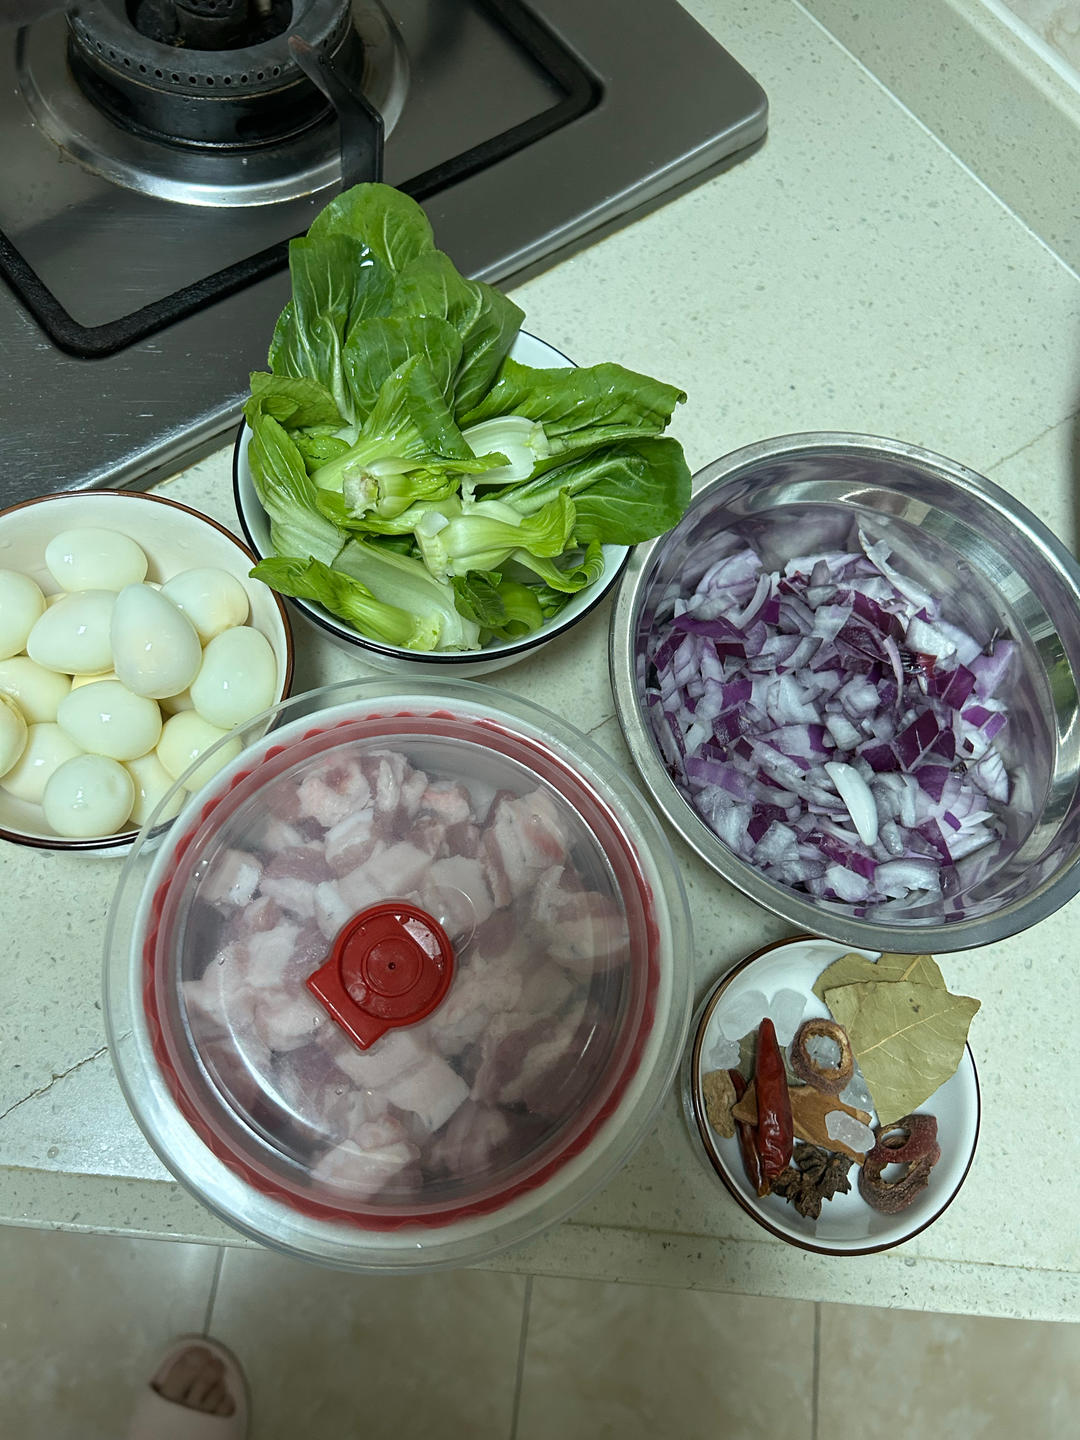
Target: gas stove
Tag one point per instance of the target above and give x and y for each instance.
(159, 154)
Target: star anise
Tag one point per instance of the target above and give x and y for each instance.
(816, 1175)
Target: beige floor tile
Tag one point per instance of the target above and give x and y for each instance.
(636, 1361)
(336, 1355)
(946, 1375)
(82, 1319)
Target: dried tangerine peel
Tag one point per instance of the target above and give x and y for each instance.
(809, 1108)
(719, 1095)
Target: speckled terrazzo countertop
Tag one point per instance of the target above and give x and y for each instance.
(851, 275)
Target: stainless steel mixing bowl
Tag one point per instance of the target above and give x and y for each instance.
(997, 571)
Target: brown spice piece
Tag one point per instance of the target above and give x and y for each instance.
(815, 1175)
(808, 1110)
(832, 1078)
(719, 1093)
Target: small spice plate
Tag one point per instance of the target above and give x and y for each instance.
(847, 1224)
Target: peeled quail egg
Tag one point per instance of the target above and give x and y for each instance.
(79, 680)
(12, 733)
(212, 599)
(186, 736)
(47, 748)
(237, 678)
(171, 704)
(94, 559)
(88, 795)
(35, 690)
(151, 782)
(21, 604)
(107, 719)
(72, 636)
(156, 650)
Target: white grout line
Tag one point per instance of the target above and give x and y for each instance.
(522, 1342)
(212, 1297)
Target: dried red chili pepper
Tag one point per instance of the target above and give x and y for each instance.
(775, 1135)
(747, 1146)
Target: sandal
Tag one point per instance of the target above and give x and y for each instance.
(156, 1418)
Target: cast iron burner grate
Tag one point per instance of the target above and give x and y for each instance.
(326, 63)
(209, 72)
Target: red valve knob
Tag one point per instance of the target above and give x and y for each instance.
(390, 966)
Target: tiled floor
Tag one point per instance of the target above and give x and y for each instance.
(480, 1355)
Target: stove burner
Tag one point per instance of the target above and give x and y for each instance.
(207, 175)
(173, 70)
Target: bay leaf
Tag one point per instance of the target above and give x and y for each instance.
(908, 1039)
(851, 969)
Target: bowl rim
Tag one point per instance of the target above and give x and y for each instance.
(803, 912)
(445, 659)
(701, 1023)
(125, 837)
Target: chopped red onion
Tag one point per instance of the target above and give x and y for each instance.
(831, 727)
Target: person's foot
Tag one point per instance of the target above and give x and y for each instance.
(195, 1378)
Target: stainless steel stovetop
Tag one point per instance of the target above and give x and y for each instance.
(525, 130)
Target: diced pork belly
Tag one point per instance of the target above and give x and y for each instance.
(463, 839)
(582, 930)
(395, 786)
(233, 880)
(336, 790)
(524, 837)
(523, 1057)
(448, 801)
(376, 1154)
(261, 915)
(291, 876)
(350, 842)
(456, 889)
(432, 1093)
(482, 988)
(222, 998)
(471, 1142)
(392, 1056)
(428, 834)
(331, 908)
(398, 870)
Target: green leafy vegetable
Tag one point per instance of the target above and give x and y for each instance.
(624, 493)
(908, 1038)
(502, 608)
(287, 494)
(401, 580)
(336, 282)
(486, 320)
(389, 223)
(351, 600)
(397, 444)
(850, 969)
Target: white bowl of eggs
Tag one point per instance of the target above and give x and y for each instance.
(132, 640)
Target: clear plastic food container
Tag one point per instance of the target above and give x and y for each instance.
(406, 982)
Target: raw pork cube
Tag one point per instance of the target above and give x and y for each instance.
(447, 800)
(456, 887)
(290, 878)
(233, 880)
(336, 790)
(222, 997)
(351, 841)
(522, 839)
(364, 1164)
(582, 930)
(471, 1142)
(392, 1056)
(432, 1093)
